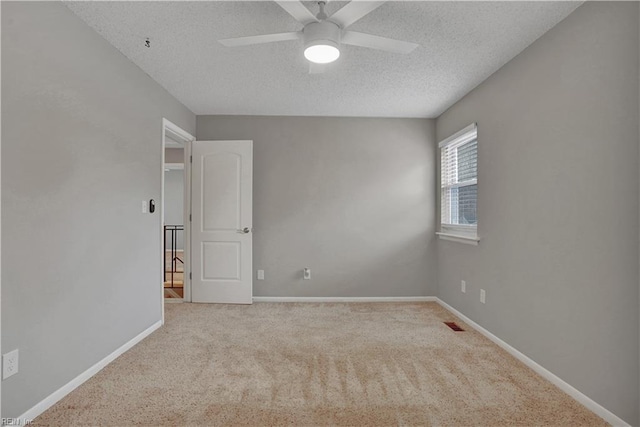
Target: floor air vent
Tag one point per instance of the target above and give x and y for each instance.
(454, 326)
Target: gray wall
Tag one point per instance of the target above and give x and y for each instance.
(353, 199)
(81, 142)
(174, 155)
(558, 205)
(174, 202)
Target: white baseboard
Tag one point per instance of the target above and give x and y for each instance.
(54, 397)
(586, 401)
(343, 299)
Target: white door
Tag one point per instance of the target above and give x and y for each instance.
(222, 177)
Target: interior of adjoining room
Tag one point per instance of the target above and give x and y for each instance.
(173, 226)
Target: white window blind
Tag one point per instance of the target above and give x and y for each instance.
(459, 183)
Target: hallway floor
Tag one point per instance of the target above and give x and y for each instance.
(174, 283)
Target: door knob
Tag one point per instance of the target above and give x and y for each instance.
(244, 230)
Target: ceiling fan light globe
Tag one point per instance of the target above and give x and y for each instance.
(321, 42)
(322, 53)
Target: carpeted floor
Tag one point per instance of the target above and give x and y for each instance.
(358, 364)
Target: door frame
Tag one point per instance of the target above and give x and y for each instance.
(186, 138)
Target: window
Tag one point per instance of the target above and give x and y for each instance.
(459, 185)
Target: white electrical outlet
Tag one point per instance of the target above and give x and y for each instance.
(260, 274)
(307, 274)
(463, 286)
(9, 364)
(483, 296)
(144, 206)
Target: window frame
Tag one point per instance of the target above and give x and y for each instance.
(464, 233)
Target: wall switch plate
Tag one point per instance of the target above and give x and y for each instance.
(260, 274)
(306, 274)
(463, 286)
(144, 206)
(483, 296)
(9, 364)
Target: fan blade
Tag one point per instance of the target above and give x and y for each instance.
(298, 11)
(265, 38)
(315, 68)
(353, 11)
(376, 42)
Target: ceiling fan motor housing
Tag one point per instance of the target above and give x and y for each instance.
(323, 32)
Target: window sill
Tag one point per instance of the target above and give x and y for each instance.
(467, 240)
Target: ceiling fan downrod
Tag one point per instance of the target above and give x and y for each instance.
(321, 15)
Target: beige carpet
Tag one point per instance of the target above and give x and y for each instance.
(372, 364)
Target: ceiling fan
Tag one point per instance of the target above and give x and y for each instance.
(323, 35)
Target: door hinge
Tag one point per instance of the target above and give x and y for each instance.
(189, 275)
(190, 159)
(189, 217)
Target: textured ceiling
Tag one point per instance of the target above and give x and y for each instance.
(461, 44)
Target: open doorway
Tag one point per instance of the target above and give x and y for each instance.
(175, 213)
(173, 203)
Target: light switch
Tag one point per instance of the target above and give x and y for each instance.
(260, 274)
(144, 206)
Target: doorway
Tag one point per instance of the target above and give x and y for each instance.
(222, 209)
(175, 254)
(173, 228)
